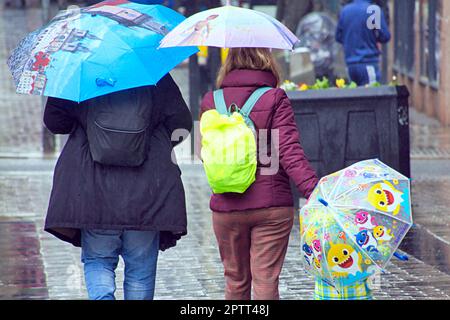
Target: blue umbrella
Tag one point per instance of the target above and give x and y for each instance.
(97, 50)
(167, 3)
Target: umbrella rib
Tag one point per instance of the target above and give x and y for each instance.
(398, 245)
(374, 210)
(348, 191)
(336, 218)
(305, 232)
(338, 183)
(327, 197)
(370, 209)
(369, 181)
(225, 33)
(285, 37)
(143, 63)
(324, 255)
(79, 82)
(303, 237)
(303, 240)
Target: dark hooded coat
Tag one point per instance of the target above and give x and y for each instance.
(90, 195)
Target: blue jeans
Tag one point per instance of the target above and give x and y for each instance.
(364, 74)
(100, 256)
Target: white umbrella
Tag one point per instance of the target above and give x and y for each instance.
(231, 27)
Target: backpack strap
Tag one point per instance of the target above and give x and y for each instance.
(219, 101)
(251, 102)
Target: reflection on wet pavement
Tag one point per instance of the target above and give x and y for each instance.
(41, 266)
(429, 139)
(431, 205)
(428, 247)
(22, 273)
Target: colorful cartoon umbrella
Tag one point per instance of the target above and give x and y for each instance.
(93, 51)
(231, 27)
(354, 222)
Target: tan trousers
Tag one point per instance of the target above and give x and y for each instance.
(253, 246)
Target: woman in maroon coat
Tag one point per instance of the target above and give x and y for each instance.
(252, 229)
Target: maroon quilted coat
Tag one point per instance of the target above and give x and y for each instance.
(273, 111)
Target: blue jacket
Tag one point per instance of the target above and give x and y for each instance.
(360, 42)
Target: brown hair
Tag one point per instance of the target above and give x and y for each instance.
(249, 58)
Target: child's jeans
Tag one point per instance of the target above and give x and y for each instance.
(100, 255)
(358, 291)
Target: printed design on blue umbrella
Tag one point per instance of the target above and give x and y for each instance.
(32, 77)
(50, 60)
(59, 36)
(126, 16)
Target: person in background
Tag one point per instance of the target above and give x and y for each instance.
(361, 42)
(253, 228)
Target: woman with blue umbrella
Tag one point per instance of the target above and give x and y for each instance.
(116, 191)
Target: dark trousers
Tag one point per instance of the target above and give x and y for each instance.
(364, 74)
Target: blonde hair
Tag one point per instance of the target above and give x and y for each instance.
(249, 58)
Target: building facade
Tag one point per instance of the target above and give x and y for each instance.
(419, 53)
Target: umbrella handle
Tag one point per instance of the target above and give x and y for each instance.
(401, 257)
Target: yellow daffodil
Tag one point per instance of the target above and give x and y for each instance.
(340, 83)
(304, 87)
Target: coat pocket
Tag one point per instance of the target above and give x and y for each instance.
(114, 143)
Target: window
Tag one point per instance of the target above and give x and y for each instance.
(404, 16)
(430, 26)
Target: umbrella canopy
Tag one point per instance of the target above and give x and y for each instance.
(93, 51)
(354, 222)
(231, 27)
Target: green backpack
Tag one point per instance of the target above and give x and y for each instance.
(229, 149)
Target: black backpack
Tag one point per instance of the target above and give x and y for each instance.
(118, 126)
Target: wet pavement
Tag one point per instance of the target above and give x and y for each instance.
(35, 265)
(429, 140)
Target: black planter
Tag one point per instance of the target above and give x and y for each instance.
(339, 127)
